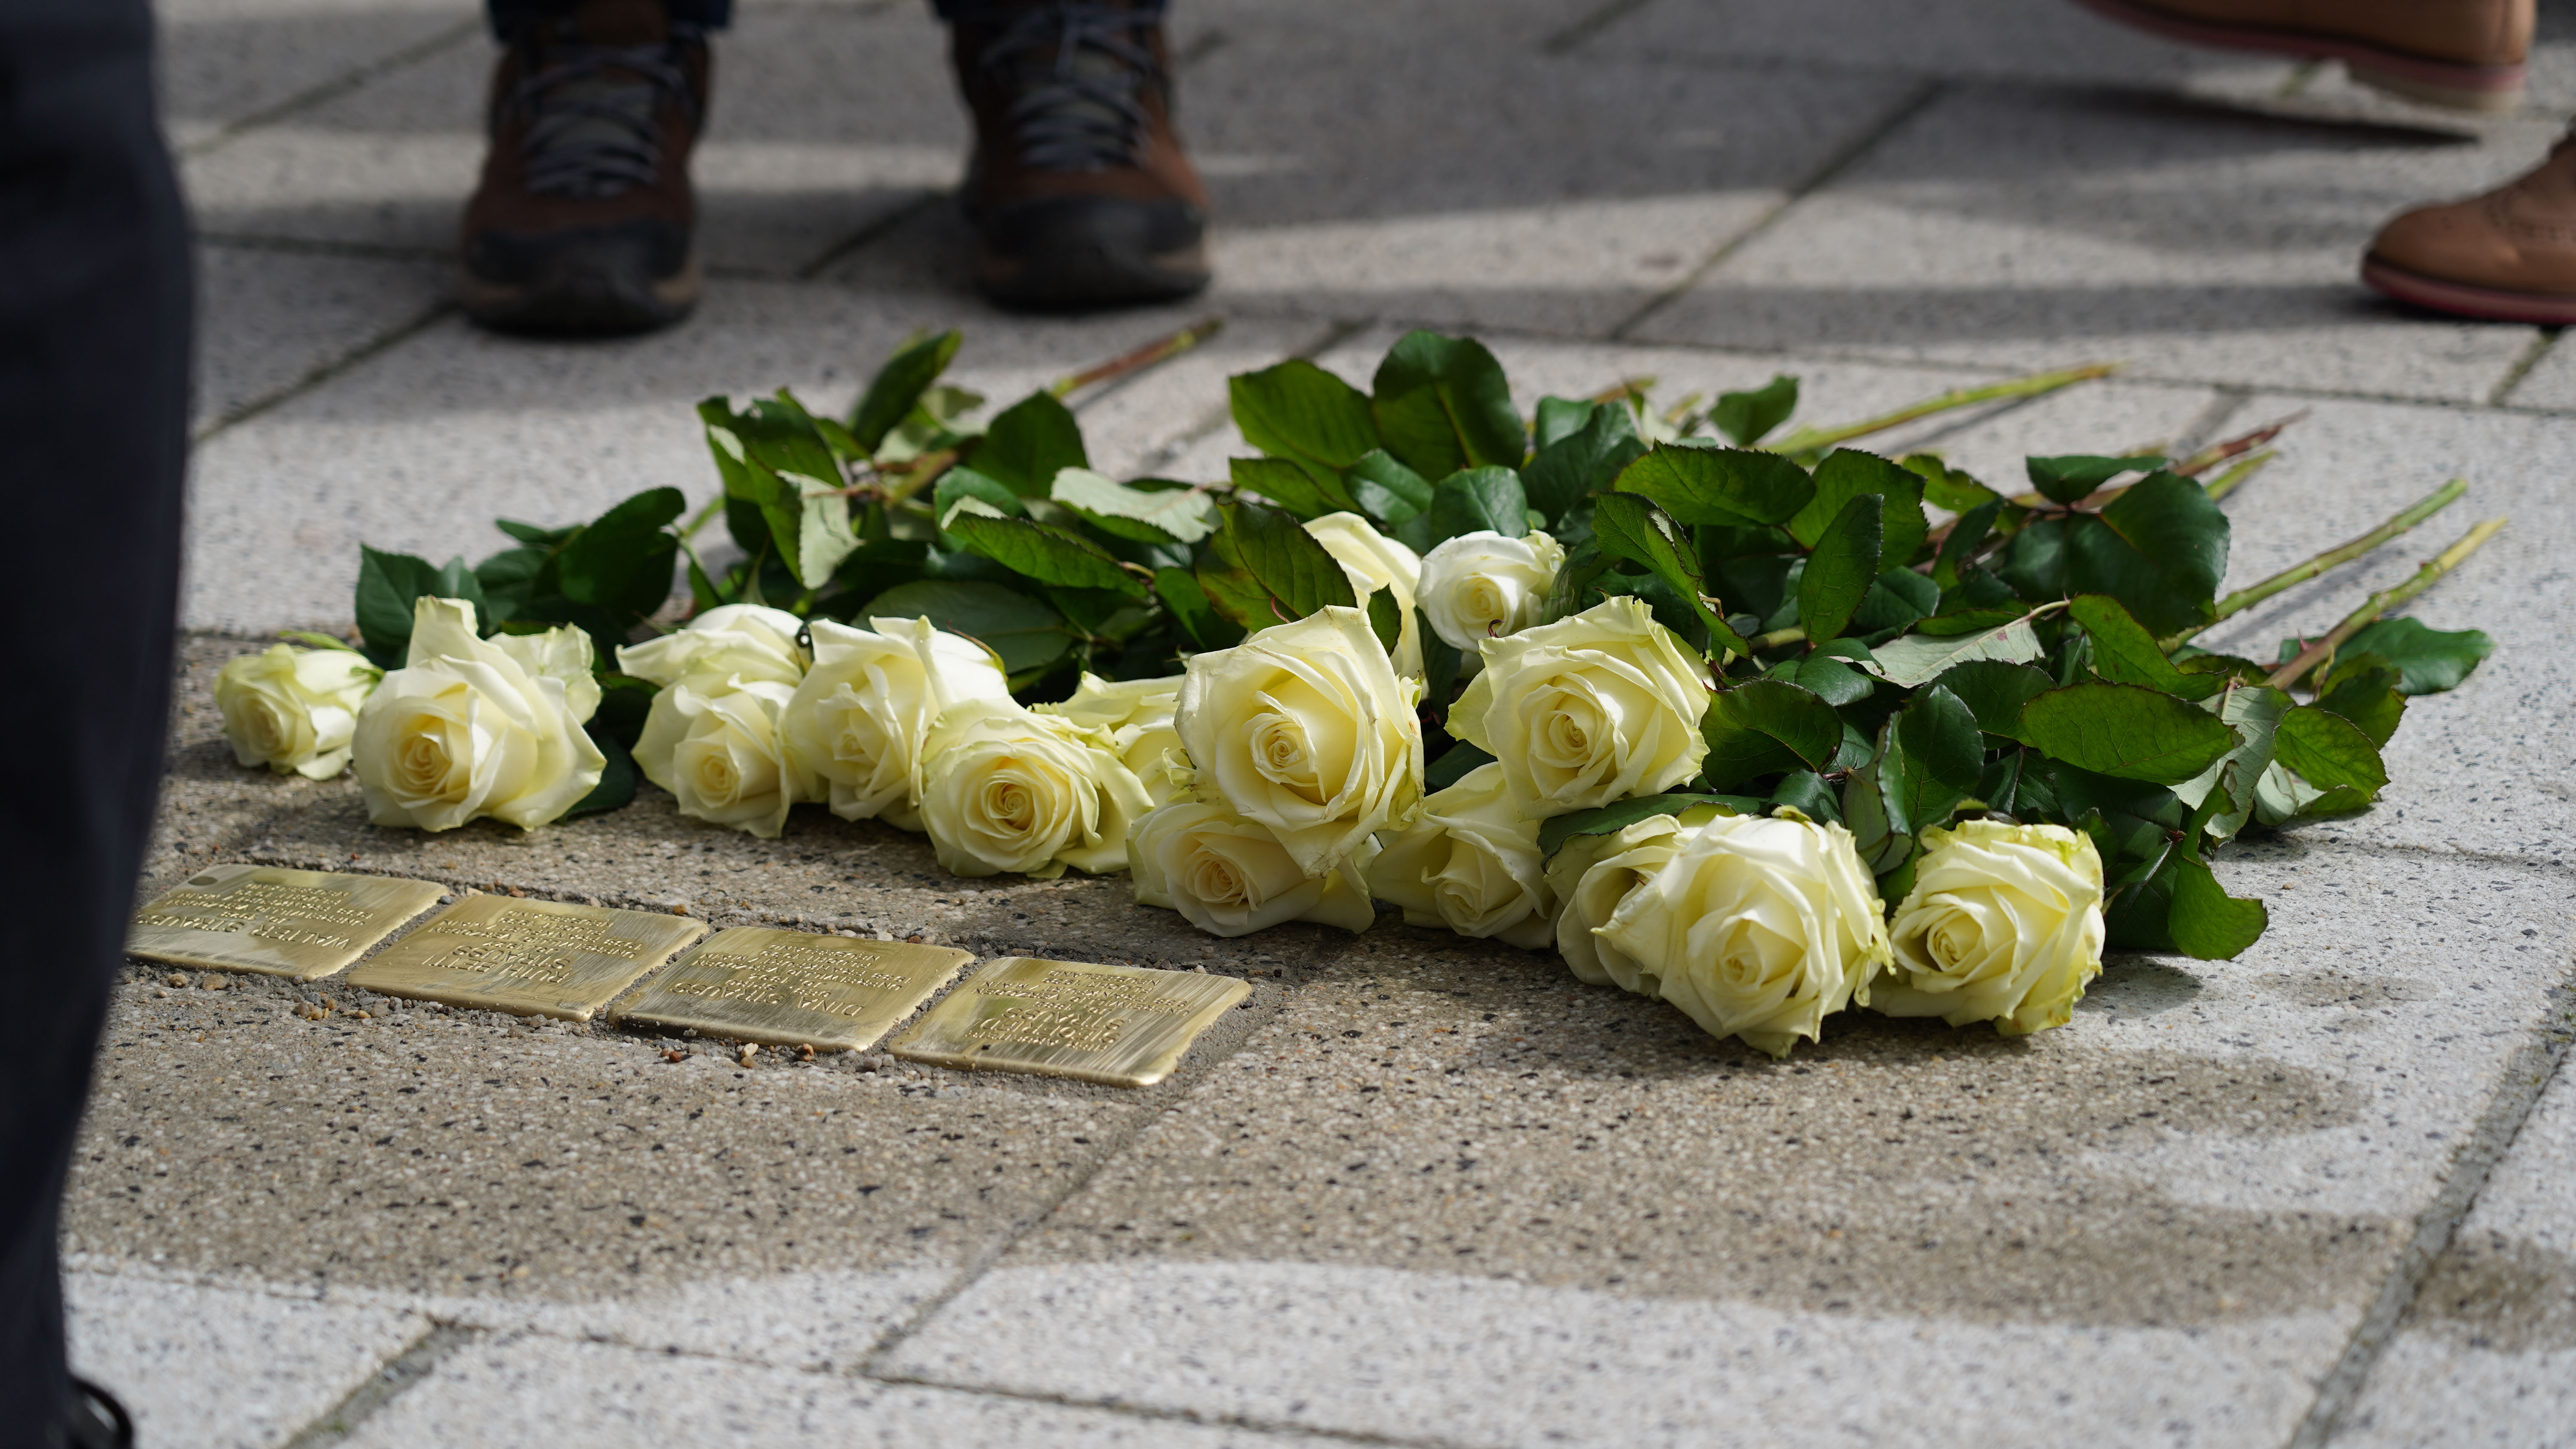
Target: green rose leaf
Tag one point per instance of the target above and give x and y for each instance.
(1442, 404)
(2226, 792)
(1966, 536)
(1934, 760)
(1835, 681)
(1298, 413)
(2125, 653)
(1620, 814)
(2362, 688)
(1948, 487)
(898, 386)
(1846, 474)
(1626, 526)
(1386, 619)
(2206, 923)
(1182, 515)
(1764, 726)
(1561, 417)
(2126, 731)
(389, 583)
(1263, 568)
(1582, 463)
(1806, 792)
(1455, 764)
(1027, 634)
(1914, 659)
(2428, 660)
(1032, 441)
(2076, 478)
(616, 787)
(1475, 500)
(1047, 554)
(1723, 487)
(2160, 548)
(1994, 690)
(2329, 751)
(621, 562)
(1180, 592)
(1746, 418)
(1286, 484)
(1842, 568)
(1388, 491)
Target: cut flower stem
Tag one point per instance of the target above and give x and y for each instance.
(2246, 598)
(2037, 384)
(2383, 601)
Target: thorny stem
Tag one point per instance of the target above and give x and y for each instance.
(2383, 601)
(2336, 557)
(1154, 353)
(1777, 637)
(1812, 440)
(2238, 475)
(2217, 453)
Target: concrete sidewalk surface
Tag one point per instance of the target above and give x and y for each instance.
(1417, 1190)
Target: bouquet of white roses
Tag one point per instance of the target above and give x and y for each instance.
(1761, 724)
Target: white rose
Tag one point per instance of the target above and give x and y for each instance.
(856, 724)
(1590, 709)
(1759, 928)
(2004, 924)
(1230, 877)
(1470, 862)
(1306, 729)
(1373, 561)
(294, 709)
(1481, 585)
(1590, 875)
(471, 727)
(1006, 789)
(745, 640)
(1138, 715)
(715, 746)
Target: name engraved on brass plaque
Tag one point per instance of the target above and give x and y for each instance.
(535, 958)
(302, 924)
(786, 988)
(1124, 1026)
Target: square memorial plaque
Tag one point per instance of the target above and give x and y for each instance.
(787, 988)
(1121, 1025)
(299, 923)
(535, 958)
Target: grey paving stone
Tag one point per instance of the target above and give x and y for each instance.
(2551, 383)
(224, 62)
(2491, 766)
(825, 122)
(534, 1391)
(272, 319)
(2193, 1191)
(2198, 245)
(224, 1368)
(420, 448)
(2488, 1354)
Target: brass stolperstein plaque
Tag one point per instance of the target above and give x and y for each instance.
(535, 958)
(300, 923)
(1120, 1025)
(787, 988)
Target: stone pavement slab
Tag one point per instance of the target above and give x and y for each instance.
(274, 319)
(226, 63)
(218, 1368)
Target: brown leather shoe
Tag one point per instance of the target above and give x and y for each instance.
(583, 222)
(1079, 191)
(2509, 255)
(2467, 54)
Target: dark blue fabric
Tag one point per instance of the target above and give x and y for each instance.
(508, 15)
(94, 358)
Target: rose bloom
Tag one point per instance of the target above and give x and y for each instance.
(1007, 789)
(1306, 729)
(294, 710)
(715, 745)
(1590, 709)
(1138, 715)
(1470, 862)
(1590, 875)
(470, 727)
(733, 640)
(1373, 561)
(1230, 877)
(856, 723)
(1759, 928)
(2004, 924)
(1481, 585)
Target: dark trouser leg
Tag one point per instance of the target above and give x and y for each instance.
(94, 359)
(508, 16)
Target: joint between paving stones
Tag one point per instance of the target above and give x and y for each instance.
(329, 368)
(337, 86)
(395, 1377)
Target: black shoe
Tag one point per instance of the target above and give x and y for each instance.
(583, 222)
(96, 1420)
(1080, 193)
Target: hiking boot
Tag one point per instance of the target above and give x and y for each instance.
(1079, 192)
(2509, 255)
(2467, 54)
(583, 222)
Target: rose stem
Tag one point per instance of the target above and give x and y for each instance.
(2246, 598)
(1777, 637)
(2383, 601)
(2217, 453)
(1811, 440)
(2236, 477)
(1161, 350)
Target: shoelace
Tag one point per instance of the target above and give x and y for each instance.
(1074, 73)
(592, 111)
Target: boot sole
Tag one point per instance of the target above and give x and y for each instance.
(582, 302)
(2455, 84)
(2488, 304)
(1076, 255)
